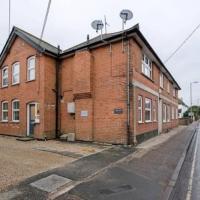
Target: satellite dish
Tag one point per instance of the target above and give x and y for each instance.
(97, 25)
(126, 15)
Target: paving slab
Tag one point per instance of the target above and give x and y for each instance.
(51, 183)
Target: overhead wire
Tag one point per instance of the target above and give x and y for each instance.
(182, 44)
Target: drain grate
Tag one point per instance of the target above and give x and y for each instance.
(51, 183)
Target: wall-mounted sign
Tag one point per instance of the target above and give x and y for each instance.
(118, 111)
(84, 113)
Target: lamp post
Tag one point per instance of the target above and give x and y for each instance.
(194, 82)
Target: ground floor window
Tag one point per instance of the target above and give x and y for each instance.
(148, 108)
(5, 111)
(155, 111)
(164, 112)
(139, 109)
(168, 113)
(15, 111)
(172, 112)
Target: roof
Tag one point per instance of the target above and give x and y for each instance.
(51, 50)
(99, 39)
(181, 102)
(34, 41)
(102, 40)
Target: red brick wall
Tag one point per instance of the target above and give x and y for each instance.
(39, 90)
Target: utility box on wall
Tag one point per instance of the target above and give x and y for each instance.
(71, 107)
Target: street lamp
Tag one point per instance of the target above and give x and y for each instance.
(194, 82)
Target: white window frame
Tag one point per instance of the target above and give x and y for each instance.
(4, 77)
(146, 66)
(168, 113)
(16, 64)
(164, 112)
(15, 110)
(140, 110)
(174, 92)
(176, 113)
(168, 86)
(148, 110)
(161, 80)
(29, 68)
(154, 112)
(3, 111)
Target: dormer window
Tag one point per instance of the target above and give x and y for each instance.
(146, 66)
(5, 77)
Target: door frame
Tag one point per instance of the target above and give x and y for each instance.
(28, 118)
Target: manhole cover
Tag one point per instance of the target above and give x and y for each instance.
(51, 183)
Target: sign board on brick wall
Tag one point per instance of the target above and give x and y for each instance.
(84, 113)
(118, 111)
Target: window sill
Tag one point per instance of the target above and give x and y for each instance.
(6, 86)
(140, 122)
(27, 81)
(149, 121)
(148, 77)
(4, 121)
(15, 84)
(15, 122)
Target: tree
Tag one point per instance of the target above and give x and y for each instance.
(194, 109)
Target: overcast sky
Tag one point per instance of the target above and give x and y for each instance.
(165, 24)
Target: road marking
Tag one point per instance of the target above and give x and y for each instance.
(189, 190)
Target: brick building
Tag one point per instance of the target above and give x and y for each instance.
(113, 90)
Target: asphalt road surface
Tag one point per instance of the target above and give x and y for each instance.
(188, 184)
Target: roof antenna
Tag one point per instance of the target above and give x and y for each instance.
(98, 25)
(125, 16)
(106, 24)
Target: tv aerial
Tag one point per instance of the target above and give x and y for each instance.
(125, 15)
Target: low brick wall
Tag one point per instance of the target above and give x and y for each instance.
(185, 121)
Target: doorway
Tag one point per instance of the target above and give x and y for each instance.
(31, 115)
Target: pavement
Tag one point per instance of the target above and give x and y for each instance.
(142, 173)
(20, 160)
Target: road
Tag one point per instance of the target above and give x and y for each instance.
(188, 183)
(141, 178)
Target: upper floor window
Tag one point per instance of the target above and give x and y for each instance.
(148, 105)
(147, 66)
(161, 80)
(15, 73)
(174, 92)
(31, 69)
(5, 77)
(168, 86)
(4, 113)
(139, 109)
(15, 110)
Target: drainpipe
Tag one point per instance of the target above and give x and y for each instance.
(128, 94)
(57, 92)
